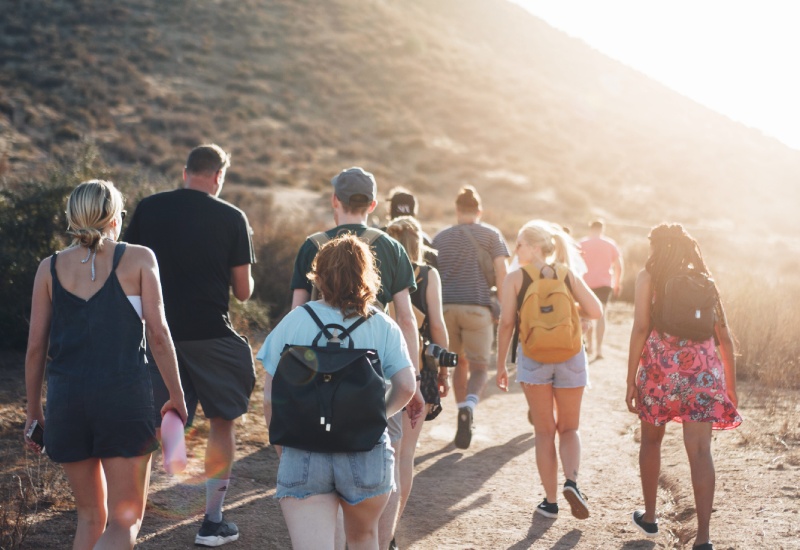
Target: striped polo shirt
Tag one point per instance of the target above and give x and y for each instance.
(462, 279)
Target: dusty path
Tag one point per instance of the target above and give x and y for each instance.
(483, 497)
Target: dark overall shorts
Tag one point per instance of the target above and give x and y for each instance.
(99, 397)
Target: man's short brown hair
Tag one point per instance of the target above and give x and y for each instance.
(207, 159)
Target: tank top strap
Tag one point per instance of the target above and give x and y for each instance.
(53, 264)
(119, 250)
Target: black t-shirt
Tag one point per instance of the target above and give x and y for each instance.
(197, 238)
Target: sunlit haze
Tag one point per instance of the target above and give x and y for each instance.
(735, 57)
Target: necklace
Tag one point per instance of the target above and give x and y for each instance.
(93, 254)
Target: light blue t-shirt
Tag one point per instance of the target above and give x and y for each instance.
(379, 332)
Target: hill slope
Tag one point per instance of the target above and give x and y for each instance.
(430, 95)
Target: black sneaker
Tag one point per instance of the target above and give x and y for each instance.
(649, 529)
(464, 431)
(704, 546)
(577, 500)
(216, 534)
(392, 545)
(548, 509)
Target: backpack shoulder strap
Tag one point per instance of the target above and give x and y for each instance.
(562, 274)
(471, 237)
(527, 279)
(319, 239)
(370, 235)
(317, 320)
(334, 340)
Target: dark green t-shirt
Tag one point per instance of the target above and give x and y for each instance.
(393, 263)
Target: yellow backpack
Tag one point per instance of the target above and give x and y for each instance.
(549, 324)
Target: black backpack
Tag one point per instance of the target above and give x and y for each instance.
(328, 399)
(688, 307)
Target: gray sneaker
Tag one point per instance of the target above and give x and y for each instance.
(464, 430)
(216, 534)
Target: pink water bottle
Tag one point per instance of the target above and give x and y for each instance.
(173, 443)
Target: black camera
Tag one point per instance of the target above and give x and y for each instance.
(443, 357)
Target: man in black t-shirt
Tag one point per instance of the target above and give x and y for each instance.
(204, 249)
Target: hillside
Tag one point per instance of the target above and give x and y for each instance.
(430, 95)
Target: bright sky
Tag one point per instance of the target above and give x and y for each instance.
(737, 57)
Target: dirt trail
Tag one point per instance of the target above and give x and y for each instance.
(483, 497)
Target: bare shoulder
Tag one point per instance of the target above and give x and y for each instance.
(44, 267)
(643, 277)
(140, 255)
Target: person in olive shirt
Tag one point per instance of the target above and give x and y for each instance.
(204, 249)
(354, 198)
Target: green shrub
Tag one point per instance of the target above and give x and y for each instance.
(32, 226)
(31, 220)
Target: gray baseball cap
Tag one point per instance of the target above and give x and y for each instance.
(355, 186)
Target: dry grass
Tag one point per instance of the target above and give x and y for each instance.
(765, 318)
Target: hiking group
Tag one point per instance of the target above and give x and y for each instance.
(129, 330)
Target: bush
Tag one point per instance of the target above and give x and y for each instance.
(31, 219)
(32, 225)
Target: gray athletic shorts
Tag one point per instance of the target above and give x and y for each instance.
(219, 373)
(395, 427)
(572, 373)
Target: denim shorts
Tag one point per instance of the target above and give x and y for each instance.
(572, 373)
(353, 476)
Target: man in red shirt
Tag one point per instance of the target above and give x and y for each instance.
(604, 274)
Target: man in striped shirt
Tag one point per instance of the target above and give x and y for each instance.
(467, 299)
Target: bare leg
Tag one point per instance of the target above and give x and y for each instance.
(478, 375)
(460, 379)
(589, 333)
(339, 542)
(568, 406)
(361, 523)
(408, 447)
(220, 448)
(697, 440)
(128, 480)
(387, 523)
(650, 467)
(540, 403)
(311, 521)
(600, 331)
(88, 486)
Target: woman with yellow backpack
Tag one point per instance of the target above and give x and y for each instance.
(545, 300)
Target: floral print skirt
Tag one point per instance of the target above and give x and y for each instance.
(683, 380)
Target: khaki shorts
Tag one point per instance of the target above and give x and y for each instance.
(471, 331)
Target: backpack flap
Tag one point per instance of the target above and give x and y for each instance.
(549, 324)
(328, 400)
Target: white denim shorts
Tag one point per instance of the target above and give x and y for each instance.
(572, 373)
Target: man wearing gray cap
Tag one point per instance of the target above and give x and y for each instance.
(354, 198)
